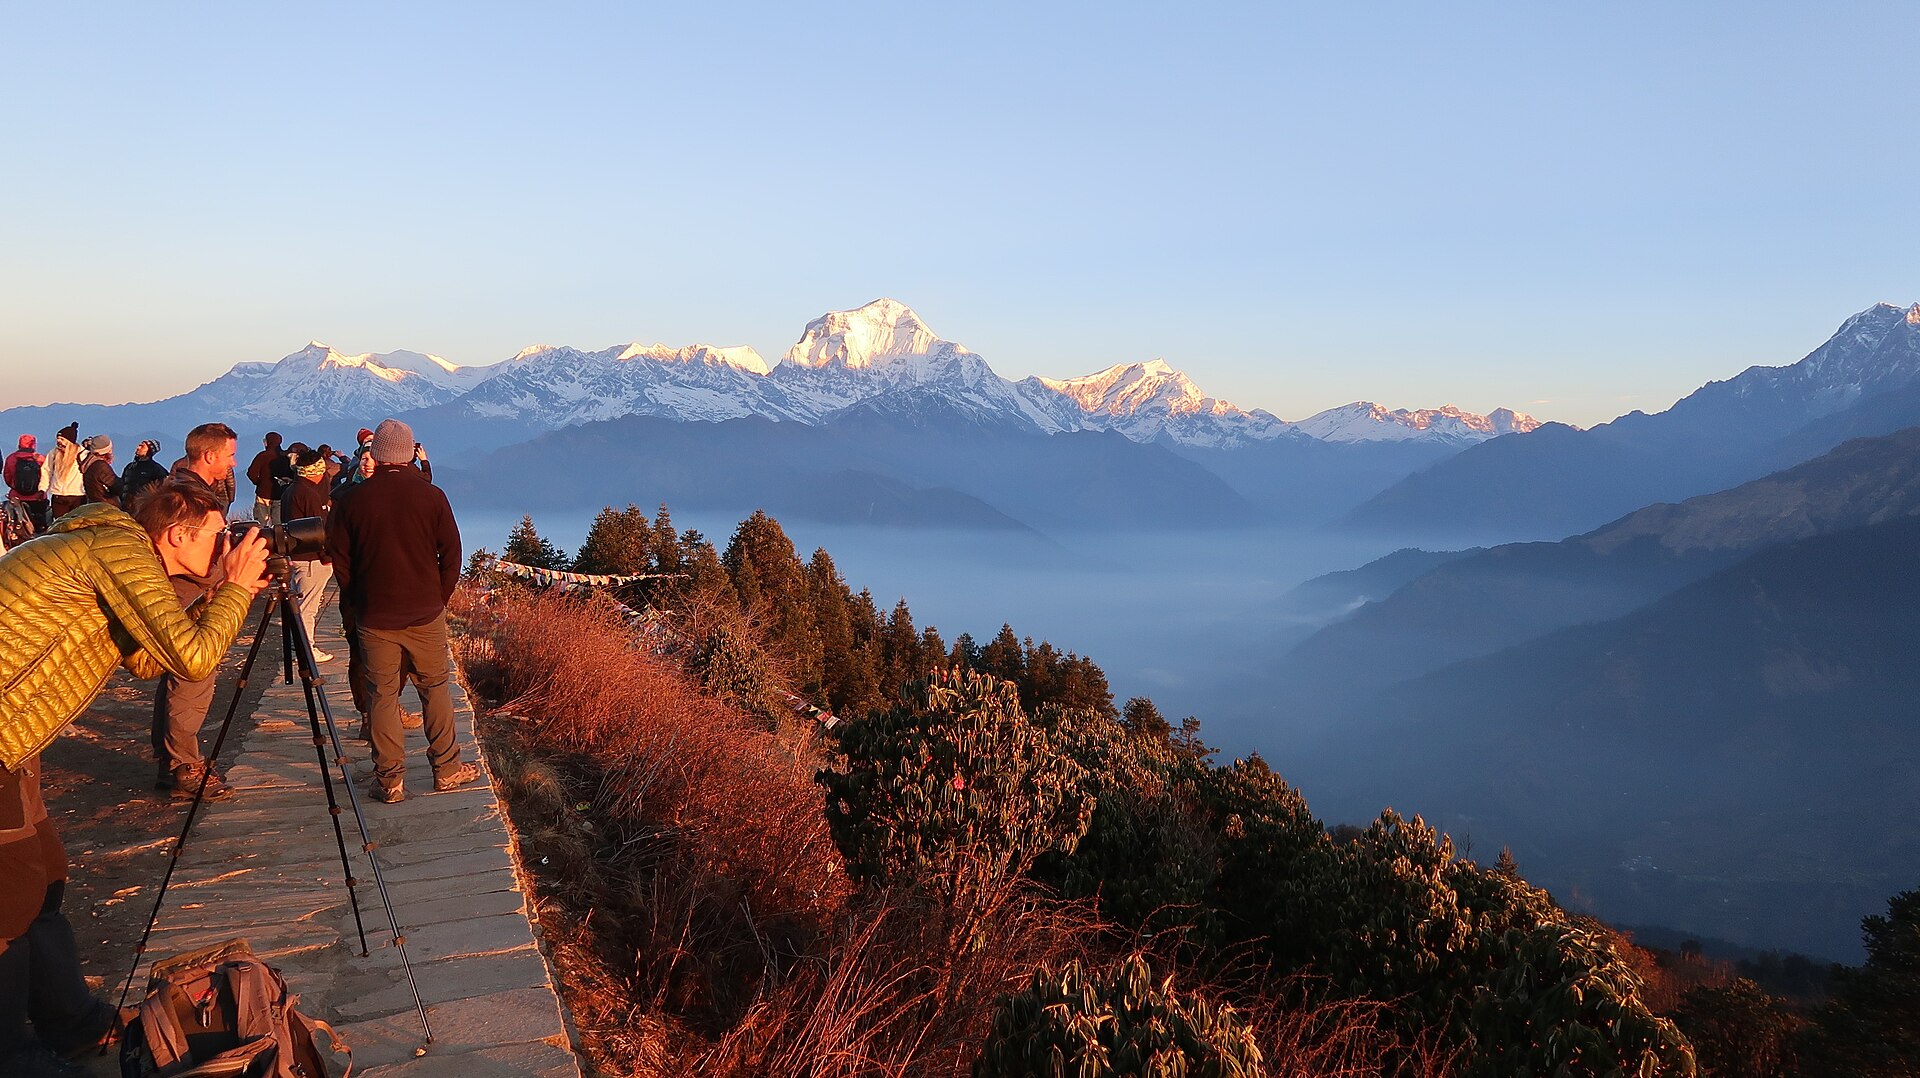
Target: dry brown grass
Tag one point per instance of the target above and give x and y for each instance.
(698, 912)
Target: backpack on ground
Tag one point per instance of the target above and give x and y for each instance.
(26, 475)
(221, 1011)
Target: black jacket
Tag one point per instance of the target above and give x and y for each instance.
(395, 548)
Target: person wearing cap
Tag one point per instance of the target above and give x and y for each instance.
(308, 497)
(142, 472)
(66, 488)
(395, 550)
(264, 475)
(98, 478)
(33, 498)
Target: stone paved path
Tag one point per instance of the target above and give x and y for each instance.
(265, 867)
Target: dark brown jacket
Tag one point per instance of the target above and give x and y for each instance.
(395, 548)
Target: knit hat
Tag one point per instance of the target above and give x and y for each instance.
(392, 442)
(308, 464)
(28, 441)
(71, 432)
(361, 438)
(100, 444)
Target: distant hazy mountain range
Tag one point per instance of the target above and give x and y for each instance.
(1865, 380)
(878, 380)
(1646, 695)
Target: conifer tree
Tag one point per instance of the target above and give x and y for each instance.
(525, 546)
(618, 543)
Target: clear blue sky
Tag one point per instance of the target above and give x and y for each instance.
(1570, 209)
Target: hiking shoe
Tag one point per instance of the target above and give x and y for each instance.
(162, 776)
(454, 777)
(410, 720)
(365, 732)
(322, 656)
(186, 783)
(390, 793)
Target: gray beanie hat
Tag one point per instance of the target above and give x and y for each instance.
(392, 442)
(100, 444)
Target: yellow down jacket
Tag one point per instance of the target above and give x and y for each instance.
(74, 603)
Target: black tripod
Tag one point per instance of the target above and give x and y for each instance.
(283, 598)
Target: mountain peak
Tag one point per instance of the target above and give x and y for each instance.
(1365, 421)
(879, 334)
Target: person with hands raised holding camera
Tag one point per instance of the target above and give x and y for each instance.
(90, 594)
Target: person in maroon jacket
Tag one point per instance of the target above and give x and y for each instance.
(395, 551)
(33, 499)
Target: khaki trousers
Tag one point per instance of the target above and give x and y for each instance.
(390, 655)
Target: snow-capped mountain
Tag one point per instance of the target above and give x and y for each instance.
(884, 358)
(318, 384)
(1365, 421)
(1149, 401)
(1872, 352)
(881, 359)
(552, 387)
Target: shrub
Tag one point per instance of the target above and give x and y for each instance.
(1739, 1030)
(954, 790)
(1124, 1023)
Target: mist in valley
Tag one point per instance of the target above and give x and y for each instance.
(1191, 619)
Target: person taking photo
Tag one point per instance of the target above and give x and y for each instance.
(91, 594)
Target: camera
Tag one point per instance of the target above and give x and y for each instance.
(303, 537)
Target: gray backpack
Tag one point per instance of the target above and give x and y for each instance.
(223, 1012)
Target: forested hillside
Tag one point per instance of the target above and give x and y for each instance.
(985, 866)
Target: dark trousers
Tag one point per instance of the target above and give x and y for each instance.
(356, 662)
(391, 654)
(65, 503)
(180, 707)
(41, 989)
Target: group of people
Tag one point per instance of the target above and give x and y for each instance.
(141, 570)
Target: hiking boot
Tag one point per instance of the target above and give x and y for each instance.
(454, 777)
(410, 720)
(162, 776)
(390, 793)
(186, 783)
(365, 732)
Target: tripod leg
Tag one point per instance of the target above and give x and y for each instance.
(316, 695)
(311, 684)
(193, 810)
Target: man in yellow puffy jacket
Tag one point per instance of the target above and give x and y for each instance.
(89, 595)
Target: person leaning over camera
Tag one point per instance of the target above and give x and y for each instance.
(308, 497)
(89, 595)
(396, 551)
(180, 705)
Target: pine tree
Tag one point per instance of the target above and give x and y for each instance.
(525, 546)
(618, 543)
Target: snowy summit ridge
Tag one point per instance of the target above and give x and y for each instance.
(881, 359)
